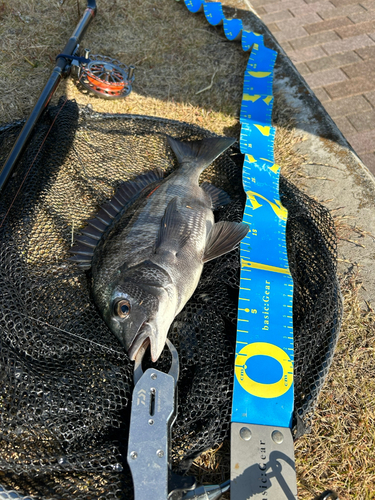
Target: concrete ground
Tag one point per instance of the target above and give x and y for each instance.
(332, 45)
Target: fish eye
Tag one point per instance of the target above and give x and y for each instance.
(122, 308)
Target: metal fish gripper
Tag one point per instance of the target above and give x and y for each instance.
(152, 416)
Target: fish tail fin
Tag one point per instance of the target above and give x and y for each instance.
(199, 153)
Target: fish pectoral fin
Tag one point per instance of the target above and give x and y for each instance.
(218, 196)
(173, 233)
(223, 237)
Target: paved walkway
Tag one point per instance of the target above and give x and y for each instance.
(332, 44)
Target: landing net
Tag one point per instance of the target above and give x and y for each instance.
(66, 381)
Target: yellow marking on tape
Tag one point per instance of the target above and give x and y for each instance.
(268, 99)
(252, 98)
(246, 320)
(250, 158)
(259, 74)
(259, 389)
(242, 298)
(254, 203)
(263, 129)
(275, 168)
(276, 205)
(238, 342)
(265, 267)
(248, 289)
(247, 279)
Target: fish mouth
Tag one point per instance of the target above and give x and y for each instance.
(140, 342)
(145, 337)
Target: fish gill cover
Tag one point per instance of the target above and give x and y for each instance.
(66, 381)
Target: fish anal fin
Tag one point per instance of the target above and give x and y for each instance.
(224, 237)
(82, 250)
(218, 196)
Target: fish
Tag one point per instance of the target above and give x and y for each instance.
(146, 247)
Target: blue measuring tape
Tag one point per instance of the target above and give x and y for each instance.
(263, 382)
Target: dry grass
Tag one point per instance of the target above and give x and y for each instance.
(286, 140)
(174, 59)
(176, 55)
(340, 451)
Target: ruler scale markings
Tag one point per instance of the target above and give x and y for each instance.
(263, 254)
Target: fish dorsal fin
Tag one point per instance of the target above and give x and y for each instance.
(173, 233)
(85, 244)
(218, 196)
(129, 189)
(201, 153)
(223, 237)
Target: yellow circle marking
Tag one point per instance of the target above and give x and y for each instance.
(257, 388)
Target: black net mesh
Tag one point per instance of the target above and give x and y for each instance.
(66, 381)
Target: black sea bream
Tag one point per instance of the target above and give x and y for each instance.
(147, 246)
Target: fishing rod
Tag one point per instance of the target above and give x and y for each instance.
(58, 72)
(100, 75)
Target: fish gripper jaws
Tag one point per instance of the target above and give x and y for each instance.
(173, 371)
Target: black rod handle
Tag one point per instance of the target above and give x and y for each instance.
(46, 94)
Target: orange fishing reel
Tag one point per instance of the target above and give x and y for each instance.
(102, 76)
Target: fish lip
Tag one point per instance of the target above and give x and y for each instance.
(141, 340)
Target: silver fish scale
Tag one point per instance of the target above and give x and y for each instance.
(135, 242)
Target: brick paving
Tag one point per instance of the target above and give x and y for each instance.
(332, 44)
